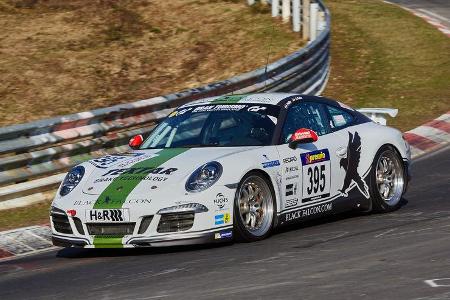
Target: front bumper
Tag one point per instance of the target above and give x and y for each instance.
(215, 235)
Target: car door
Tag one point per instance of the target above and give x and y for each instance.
(349, 154)
(309, 169)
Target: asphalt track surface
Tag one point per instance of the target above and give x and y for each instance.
(437, 9)
(376, 256)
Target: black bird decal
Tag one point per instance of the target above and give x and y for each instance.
(350, 165)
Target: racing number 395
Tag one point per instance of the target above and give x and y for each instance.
(316, 179)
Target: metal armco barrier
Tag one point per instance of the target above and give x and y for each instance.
(33, 155)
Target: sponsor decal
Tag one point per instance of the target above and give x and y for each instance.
(222, 219)
(134, 160)
(292, 177)
(219, 107)
(316, 170)
(292, 100)
(291, 202)
(309, 211)
(161, 157)
(140, 171)
(107, 215)
(179, 112)
(133, 178)
(270, 164)
(223, 235)
(315, 157)
(256, 108)
(350, 164)
(221, 201)
(82, 202)
(291, 189)
(291, 169)
(105, 161)
(109, 201)
(229, 99)
(289, 159)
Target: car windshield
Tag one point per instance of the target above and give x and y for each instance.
(216, 125)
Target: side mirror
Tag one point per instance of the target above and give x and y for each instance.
(302, 136)
(136, 141)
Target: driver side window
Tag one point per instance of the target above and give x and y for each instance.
(305, 115)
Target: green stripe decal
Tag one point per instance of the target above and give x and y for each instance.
(230, 99)
(108, 241)
(116, 193)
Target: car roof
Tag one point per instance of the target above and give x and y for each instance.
(279, 99)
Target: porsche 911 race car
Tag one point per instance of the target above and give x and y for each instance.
(233, 167)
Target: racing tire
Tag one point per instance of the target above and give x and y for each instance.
(387, 180)
(254, 208)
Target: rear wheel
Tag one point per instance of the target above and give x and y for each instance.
(387, 180)
(254, 208)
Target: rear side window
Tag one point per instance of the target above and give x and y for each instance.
(339, 118)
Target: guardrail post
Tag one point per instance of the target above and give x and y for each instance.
(275, 8)
(306, 10)
(296, 15)
(313, 21)
(286, 10)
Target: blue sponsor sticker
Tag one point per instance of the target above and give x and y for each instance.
(222, 219)
(226, 234)
(270, 164)
(223, 235)
(315, 157)
(218, 220)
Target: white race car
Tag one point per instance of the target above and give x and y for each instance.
(233, 167)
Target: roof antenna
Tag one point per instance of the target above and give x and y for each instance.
(268, 53)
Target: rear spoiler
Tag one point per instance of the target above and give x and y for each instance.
(378, 114)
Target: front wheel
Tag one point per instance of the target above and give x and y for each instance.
(254, 208)
(387, 180)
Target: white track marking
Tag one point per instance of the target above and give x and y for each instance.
(436, 282)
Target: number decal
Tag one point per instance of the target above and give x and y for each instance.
(309, 189)
(317, 179)
(322, 178)
(316, 175)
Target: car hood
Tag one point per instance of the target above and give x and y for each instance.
(156, 168)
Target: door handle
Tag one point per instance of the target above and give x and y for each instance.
(341, 152)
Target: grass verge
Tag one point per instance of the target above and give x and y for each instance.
(383, 56)
(66, 56)
(36, 214)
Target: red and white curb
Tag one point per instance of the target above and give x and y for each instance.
(25, 241)
(429, 136)
(430, 17)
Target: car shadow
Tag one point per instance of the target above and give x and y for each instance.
(99, 252)
(113, 252)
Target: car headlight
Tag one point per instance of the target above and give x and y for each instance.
(189, 207)
(204, 177)
(71, 180)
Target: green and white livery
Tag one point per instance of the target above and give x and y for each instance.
(232, 167)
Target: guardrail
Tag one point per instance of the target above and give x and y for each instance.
(33, 156)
